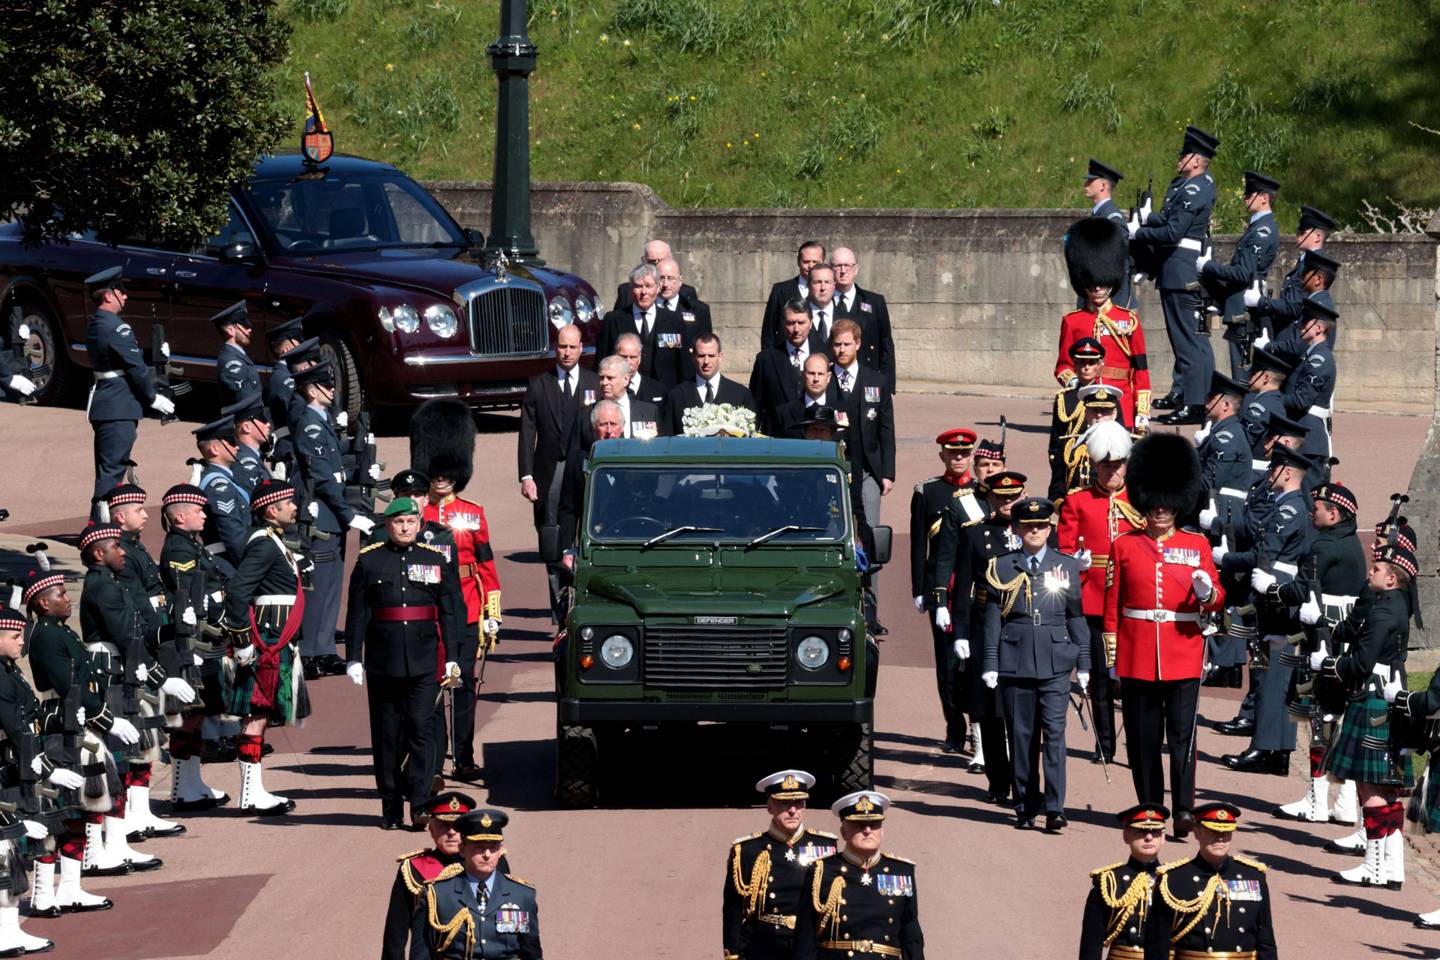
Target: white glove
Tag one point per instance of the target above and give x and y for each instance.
(125, 731)
(1218, 554)
(363, 524)
(1133, 227)
(65, 779)
(179, 689)
(79, 717)
(142, 672)
(246, 655)
(342, 420)
(1310, 611)
(1142, 423)
(374, 471)
(199, 660)
(452, 669)
(356, 673)
(1200, 582)
(1203, 259)
(1260, 580)
(1317, 659)
(1208, 518)
(22, 385)
(962, 648)
(165, 349)
(1084, 677)
(1070, 384)
(1203, 433)
(1086, 559)
(187, 617)
(942, 617)
(1263, 340)
(35, 831)
(1392, 688)
(1252, 298)
(491, 627)
(991, 679)
(1145, 209)
(919, 604)
(162, 405)
(37, 763)
(313, 508)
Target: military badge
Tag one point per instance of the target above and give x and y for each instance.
(511, 919)
(866, 308)
(1182, 556)
(422, 573)
(588, 399)
(893, 885)
(687, 316)
(644, 429)
(316, 143)
(668, 341)
(1244, 890)
(872, 394)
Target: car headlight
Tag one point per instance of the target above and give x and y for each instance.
(387, 319)
(582, 310)
(812, 653)
(407, 318)
(560, 313)
(441, 320)
(617, 651)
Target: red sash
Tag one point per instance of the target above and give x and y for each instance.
(267, 666)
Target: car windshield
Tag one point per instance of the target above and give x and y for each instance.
(737, 503)
(327, 211)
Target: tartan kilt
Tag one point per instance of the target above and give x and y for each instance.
(1430, 801)
(290, 702)
(1363, 751)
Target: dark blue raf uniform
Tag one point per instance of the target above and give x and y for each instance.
(124, 386)
(464, 916)
(1254, 254)
(1310, 387)
(227, 503)
(322, 477)
(1177, 235)
(1035, 634)
(1225, 466)
(249, 467)
(282, 399)
(1107, 209)
(1278, 313)
(235, 373)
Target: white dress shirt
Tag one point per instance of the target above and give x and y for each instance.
(644, 319)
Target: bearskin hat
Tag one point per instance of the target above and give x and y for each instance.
(1097, 254)
(1164, 471)
(442, 441)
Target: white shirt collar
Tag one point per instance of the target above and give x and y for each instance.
(673, 303)
(562, 374)
(647, 315)
(1039, 555)
(803, 349)
(324, 413)
(1261, 213)
(1096, 209)
(853, 370)
(812, 402)
(845, 297)
(624, 401)
(713, 381)
(803, 284)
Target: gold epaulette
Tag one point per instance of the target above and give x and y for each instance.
(1249, 863)
(822, 833)
(182, 567)
(920, 487)
(892, 856)
(454, 870)
(514, 879)
(430, 546)
(372, 547)
(748, 836)
(971, 523)
(406, 856)
(1099, 870)
(1166, 867)
(1060, 411)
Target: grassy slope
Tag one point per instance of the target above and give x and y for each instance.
(855, 103)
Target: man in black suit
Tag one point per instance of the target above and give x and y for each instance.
(869, 407)
(553, 402)
(662, 341)
(606, 421)
(776, 379)
(867, 308)
(817, 389)
(822, 300)
(655, 251)
(680, 298)
(642, 420)
(641, 387)
(810, 253)
(708, 386)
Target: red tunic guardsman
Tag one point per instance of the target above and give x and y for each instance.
(1159, 583)
(1097, 256)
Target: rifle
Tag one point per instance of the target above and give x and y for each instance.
(177, 655)
(1393, 521)
(17, 338)
(38, 801)
(162, 369)
(1242, 330)
(359, 454)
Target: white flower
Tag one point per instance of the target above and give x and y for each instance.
(718, 420)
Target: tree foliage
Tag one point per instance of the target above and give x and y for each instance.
(132, 117)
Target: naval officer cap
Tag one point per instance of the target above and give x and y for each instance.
(1313, 219)
(222, 429)
(289, 330)
(322, 373)
(1223, 386)
(1032, 510)
(786, 785)
(250, 406)
(862, 806)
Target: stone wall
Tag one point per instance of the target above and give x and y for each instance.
(987, 287)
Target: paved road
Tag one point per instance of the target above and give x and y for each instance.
(642, 878)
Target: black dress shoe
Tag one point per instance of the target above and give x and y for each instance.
(949, 746)
(1184, 824)
(1168, 402)
(1188, 415)
(879, 629)
(1023, 822)
(389, 823)
(467, 772)
(999, 799)
(1248, 760)
(332, 666)
(1055, 823)
(312, 668)
(87, 908)
(1239, 727)
(141, 866)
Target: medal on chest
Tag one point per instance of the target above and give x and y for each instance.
(1181, 556)
(422, 573)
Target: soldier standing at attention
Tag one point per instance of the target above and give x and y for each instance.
(765, 872)
(1175, 238)
(1100, 184)
(124, 387)
(1215, 905)
(1122, 893)
(235, 373)
(404, 604)
(1249, 265)
(934, 499)
(860, 901)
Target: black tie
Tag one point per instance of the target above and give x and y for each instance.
(1034, 566)
(569, 388)
(709, 394)
(482, 895)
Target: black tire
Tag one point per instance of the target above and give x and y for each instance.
(46, 345)
(349, 392)
(856, 768)
(577, 766)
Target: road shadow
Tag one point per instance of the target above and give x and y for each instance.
(301, 794)
(327, 769)
(296, 819)
(535, 656)
(523, 696)
(341, 750)
(939, 758)
(1345, 901)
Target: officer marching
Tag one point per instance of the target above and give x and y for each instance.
(1122, 894)
(235, 373)
(423, 867)
(877, 891)
(765, 872)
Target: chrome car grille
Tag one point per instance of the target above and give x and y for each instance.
(508, 321)
(685, 657)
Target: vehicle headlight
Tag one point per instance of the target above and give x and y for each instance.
(582, 310)
(560, 313)
(407, 318)
(812, 653)
(441, 320)
(387, 319)
(617, 651)
(596, 310)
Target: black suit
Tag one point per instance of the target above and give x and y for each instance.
(871, 439)
(624, 300)
(648, 389)
(877, 344)
(774, 382)
(789, 415)
(687, 395)
(772, 327)
(547, 418)
(663, 351)
(694, 316)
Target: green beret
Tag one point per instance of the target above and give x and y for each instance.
(401, 506)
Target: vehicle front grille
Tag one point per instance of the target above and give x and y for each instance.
(508, 321)
(685, 657)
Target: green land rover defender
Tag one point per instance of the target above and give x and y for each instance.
(715, 582)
